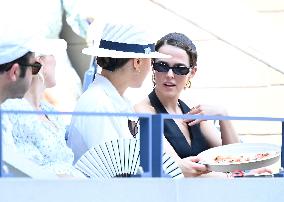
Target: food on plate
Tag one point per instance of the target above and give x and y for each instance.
(245, 158)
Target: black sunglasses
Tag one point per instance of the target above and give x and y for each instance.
(35, 67)
(178, 69)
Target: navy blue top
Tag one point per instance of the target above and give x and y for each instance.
(174, 135)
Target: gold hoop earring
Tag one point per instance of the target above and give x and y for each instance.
(188, 84)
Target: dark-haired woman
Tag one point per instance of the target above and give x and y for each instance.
(184, 139)
(124, 54)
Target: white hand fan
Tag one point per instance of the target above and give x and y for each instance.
(170, 167)
(119, 158)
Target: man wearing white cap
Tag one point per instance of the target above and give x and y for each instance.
(18, 62)
(42, 142)
(17, 65)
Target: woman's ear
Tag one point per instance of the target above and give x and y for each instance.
(136, 64)
(193, 71)
(138, 61)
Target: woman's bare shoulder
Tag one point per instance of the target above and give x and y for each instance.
(144, 106)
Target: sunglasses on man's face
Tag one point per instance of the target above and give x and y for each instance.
(35, 67)
(178, 69)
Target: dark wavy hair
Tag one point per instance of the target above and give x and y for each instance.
(181, 41)
(111, 64)
(22, 60)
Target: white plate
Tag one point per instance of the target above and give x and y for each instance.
(238, 149)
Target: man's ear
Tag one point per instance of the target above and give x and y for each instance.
(14, 72)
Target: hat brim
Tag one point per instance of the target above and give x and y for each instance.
(12, 50)
(100, 52)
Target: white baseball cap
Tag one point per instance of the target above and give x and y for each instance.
(12, 49)
(20, 35)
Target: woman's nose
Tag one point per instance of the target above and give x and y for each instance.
(170, 73)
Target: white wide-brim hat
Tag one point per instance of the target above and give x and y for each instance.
(121, 41)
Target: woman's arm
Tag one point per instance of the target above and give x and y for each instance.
(227, 133)
(189, 166)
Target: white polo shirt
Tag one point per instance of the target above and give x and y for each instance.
(88, 131)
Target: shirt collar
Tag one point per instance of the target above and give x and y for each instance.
(119, 101)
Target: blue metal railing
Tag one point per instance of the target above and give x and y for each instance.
(90, 74)
(151, 132)
(145, 135)
(1, 155)
(282, 146)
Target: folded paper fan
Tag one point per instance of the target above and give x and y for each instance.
(171, 168)
(119, 158)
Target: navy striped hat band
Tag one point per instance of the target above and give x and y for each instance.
(124, 47)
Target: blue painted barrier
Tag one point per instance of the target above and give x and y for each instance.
(151, 131)
(90, 74)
